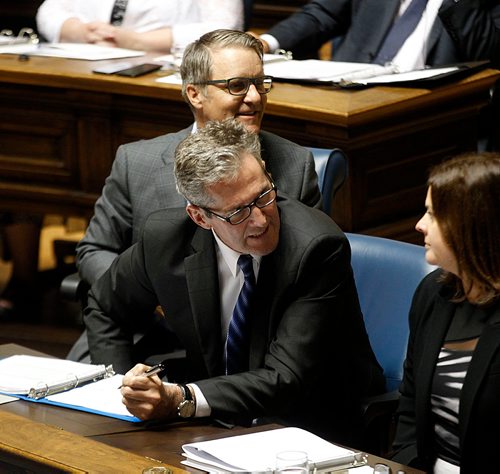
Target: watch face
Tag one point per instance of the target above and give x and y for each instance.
(186, 409)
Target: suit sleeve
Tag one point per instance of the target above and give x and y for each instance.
(474, 26)
(307, 30)
(120, 304)
(110, 229)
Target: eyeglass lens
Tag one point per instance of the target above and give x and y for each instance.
(240, 85)
(262, 201)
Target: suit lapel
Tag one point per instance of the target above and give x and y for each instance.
(384, 15)
(203, 287)
(264, 321)
(434, 35)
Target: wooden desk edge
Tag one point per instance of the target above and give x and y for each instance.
(42, 447)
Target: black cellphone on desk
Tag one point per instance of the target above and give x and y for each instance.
(139, 70)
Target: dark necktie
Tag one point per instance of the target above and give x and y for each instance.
(237, 344)
(118, 12)
(400, 30)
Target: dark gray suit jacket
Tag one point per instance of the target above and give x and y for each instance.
(310, 359)
(142, 181)
(363, 24)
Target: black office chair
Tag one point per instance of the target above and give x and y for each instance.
(331, 168)
(387, 273)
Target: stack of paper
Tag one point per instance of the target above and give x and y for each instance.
(256, 452)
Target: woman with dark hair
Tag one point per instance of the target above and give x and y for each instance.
(449, 412)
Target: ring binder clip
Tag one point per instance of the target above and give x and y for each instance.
(39, 392)
(28, 33)
(25, 36)
(284, 53)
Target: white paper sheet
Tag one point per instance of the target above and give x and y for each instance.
(20, 373)
(256, 452)
(103, 396)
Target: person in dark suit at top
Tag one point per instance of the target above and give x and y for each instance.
(304, 335)
(449, 416)
(448, 31)
(142, 180)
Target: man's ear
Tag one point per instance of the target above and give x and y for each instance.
(195, 96)
(198, 216)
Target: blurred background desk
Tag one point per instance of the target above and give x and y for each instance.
(61, 125)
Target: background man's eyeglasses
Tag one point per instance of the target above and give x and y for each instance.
(240, 85)
(243, 213)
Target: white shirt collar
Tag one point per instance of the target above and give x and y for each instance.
(230, 256)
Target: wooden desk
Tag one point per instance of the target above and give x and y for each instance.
(28, 443)
(62, 124)
(32, 434)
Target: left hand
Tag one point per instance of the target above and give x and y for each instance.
(149, 398)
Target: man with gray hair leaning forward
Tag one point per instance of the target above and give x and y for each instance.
(296, 337)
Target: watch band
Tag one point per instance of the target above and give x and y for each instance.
(187, 407)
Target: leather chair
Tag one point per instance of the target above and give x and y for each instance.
(387, 273)
(331, 168)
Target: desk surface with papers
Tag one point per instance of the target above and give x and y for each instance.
(62, 124)
(45, 438)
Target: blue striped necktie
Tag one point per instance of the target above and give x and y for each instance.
(238, 334)
(400, 30)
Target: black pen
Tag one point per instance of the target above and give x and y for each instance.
(158, 369)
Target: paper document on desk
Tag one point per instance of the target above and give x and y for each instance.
(84, 387)
(89, 52)
(102, 397)
(346, 74)
(39, 376)
(256, 452)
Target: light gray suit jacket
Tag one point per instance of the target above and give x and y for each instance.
(142, 181)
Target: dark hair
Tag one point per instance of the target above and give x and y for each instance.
(465, 194)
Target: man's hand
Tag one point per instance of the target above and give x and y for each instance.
(148, 398)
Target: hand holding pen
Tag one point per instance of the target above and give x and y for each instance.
(158, 369)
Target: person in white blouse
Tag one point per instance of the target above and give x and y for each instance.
(149, 25)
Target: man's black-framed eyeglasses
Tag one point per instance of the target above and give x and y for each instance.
(243, 213)
(240, 85)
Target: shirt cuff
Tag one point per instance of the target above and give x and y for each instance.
(202, 407)
(271, 41)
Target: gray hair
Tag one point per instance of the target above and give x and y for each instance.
(197, 63)
(211, 155)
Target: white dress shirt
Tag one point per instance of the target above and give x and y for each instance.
(189, 19)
